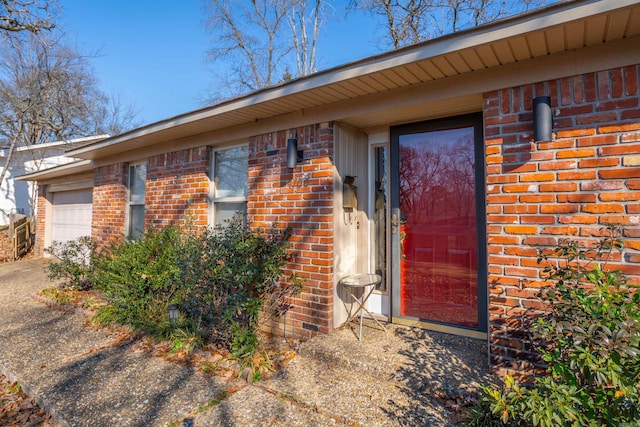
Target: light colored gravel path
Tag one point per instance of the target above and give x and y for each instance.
(401, 377)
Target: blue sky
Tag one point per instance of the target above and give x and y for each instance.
(152, 52)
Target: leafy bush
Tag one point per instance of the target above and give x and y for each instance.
(73, 262)
(232, 282)
(139, 279)
(225, 280)
(590, 340)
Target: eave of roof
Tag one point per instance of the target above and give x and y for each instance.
(67, 169)
(68, 144)
(560, 27)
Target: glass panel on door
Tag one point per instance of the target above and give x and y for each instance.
(437, 224)
(380, 215)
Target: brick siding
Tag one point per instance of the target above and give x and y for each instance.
(537, 193)
(569, 187)
(109, 203)
(177, 191)
(177, 188)
(302, 199)
(41, 220)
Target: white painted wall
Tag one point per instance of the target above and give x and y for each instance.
(20, 196)
(350, 229)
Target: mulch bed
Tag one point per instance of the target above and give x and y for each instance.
(272, 356)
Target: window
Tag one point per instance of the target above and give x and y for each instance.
(136, 186)
(379, 215)
(230, 178)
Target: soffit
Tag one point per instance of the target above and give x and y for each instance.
(560, 28)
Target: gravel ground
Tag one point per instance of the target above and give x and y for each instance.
(401, 377)
(398, 377)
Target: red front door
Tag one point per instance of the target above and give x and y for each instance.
(437, 222)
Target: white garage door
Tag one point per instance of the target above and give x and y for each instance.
(71, 216)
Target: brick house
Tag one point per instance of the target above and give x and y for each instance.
(454, 195)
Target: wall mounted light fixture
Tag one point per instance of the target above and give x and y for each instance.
(173, 314)
(293, 154)
(349, 199)
(542, 118)
(349, 194)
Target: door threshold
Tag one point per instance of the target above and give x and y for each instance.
(416, 323)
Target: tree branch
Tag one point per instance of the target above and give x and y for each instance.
(32, 16)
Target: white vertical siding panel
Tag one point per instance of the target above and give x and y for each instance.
(350, 241)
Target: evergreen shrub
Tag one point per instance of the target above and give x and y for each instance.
(590, 340)
(225, 280)
(73, 262)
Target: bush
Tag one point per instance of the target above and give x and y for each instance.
(73, 263)
(232, 278)
(139, 279)
(590, 340)
(225, 280)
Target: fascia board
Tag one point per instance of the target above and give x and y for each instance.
(58, 171)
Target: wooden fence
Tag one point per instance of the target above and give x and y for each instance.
(20, 234)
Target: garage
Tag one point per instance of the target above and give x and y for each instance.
(65, 203)
(71, 214)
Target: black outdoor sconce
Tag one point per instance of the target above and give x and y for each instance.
(293, 154)
(542, 118)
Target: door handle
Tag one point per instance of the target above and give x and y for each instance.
(394, 224)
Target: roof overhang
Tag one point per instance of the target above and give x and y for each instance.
(560, 28)
(68, 144)
(65, 170)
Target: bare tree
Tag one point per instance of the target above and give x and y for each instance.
(404, 21)
(248, 38)
(49, 93)
(25, 15)
(114, 116)
(448, 16)
(407, 22)
(304, 41)
(259, 42)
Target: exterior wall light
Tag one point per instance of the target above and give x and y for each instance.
(173, 314)
(293, 154)
(542, 118)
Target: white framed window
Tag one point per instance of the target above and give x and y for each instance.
(230, 176)
(136, 186)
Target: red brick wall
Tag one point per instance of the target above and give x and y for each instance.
(301, 198)
(177, 188)
(41, 215)
(109, 203)
(538, 193)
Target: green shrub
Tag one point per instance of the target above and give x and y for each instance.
(225, 280)
(139, 279)
(232, 275)
(74, 262)
(590, 340)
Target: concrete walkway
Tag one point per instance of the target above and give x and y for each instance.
(401, 377)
